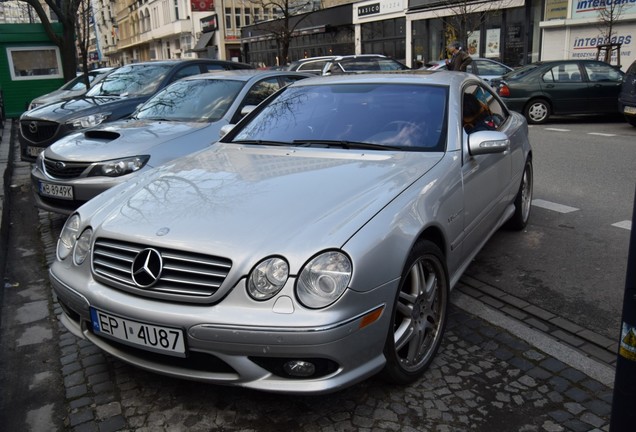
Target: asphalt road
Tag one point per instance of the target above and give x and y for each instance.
(572, 259)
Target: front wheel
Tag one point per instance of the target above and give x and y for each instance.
(537, 111)
(523, 200)
(419, 315)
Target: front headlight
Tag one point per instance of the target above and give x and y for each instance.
(120, 167)
(323, 279)
(68, 237)
(82, 247)
(267, 278)
(88, 121)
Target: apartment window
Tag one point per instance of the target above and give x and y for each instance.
(228, 18)
(257, 14)
(176, 9)
(246, 16)
(237, 17)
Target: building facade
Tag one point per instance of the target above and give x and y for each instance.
(515, 32)
(573, 29)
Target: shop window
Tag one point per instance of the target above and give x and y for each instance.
(28, 63)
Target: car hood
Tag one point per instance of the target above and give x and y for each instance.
(248, 202)
(67, 109)
(58, 95)
(121, 139)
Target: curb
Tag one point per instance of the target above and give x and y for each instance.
(6, 155)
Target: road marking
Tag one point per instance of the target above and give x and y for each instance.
(553, 206)
(601, 134)
(627, 224)
(558, 130)
(544, 342)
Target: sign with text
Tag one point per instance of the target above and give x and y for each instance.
(202, 5)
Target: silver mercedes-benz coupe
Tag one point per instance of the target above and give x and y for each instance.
(313, 246)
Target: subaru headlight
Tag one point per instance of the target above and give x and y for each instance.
(68, 237)
(88, 121)
(120, 167)
(323, 279)
(82, 247)
(267, 278)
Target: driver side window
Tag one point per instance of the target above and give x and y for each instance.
(481, 110)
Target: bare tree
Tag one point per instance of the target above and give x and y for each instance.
(83, 32)
(608, 16)
(464, 17)
(283, 27)
(66, 13)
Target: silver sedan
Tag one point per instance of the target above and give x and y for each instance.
(314, 246)
(185, 117)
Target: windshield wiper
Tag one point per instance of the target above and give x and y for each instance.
(344, 144)
(263, 142)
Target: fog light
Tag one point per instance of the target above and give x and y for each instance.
(299, 368)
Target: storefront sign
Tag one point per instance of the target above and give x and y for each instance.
(591, 8)
(492, 42)
(371, 9)
(202, 5)
(382, 7)
(556, 9)
(209, 23)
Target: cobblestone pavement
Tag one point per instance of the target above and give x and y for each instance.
(503, 366)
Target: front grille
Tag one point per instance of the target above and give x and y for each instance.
(184, 276)
(38, 131)
(64, 170)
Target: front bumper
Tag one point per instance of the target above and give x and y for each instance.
(248, 355)
(84, 189)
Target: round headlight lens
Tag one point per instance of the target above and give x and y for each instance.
(68, 237)
(82, 247)
(268, 278)
(323, 279)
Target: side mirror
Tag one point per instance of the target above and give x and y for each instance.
(247, 109)
(486, 142)
(225, 129)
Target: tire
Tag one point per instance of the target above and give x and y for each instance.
(631, 120)
(419, 315)
(523, 200)
(537, 111)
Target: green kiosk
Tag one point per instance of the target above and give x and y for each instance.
(30, 66)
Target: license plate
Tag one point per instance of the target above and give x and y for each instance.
(629, 110)
(57, 191)
(150, 337)
(34, 151)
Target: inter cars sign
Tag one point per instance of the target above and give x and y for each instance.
(202, 5)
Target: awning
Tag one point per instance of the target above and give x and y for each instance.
(203, 41)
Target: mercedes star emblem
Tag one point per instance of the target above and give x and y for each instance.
(146, 268)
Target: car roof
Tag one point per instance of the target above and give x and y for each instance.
(185, 61)
(409, 76)
(245, 74)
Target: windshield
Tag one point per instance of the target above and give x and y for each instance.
(518, 73)
(192, 100)
(402, 116)
(131, 80)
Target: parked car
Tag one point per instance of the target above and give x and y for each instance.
(486, 69)
(74, 88)
(627, 96)
(115, 97)
(313, 65)
(184, 117)
(542, 89)
(328, 65)
(315, 245)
